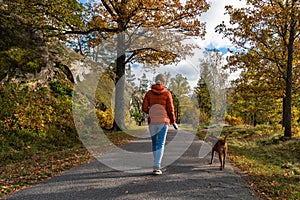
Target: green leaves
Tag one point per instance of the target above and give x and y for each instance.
(52, 18)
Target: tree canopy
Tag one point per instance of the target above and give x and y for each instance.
(26, 27)
(267, 35)
(147, 32)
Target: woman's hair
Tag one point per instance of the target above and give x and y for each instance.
(160, 79)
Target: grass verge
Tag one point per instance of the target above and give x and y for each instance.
(29, 166)
(33, 164)
(271, 163)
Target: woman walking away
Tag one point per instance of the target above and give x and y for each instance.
(158, 104)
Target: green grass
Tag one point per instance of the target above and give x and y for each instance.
(272, 164)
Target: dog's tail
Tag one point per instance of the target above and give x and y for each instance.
(226, 136)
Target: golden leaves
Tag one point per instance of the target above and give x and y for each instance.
(264, 31)
(167, 18)
(156, 13)
(98, 21)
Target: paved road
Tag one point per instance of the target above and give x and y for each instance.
(188, 177)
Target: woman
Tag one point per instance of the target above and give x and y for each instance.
(158, 104)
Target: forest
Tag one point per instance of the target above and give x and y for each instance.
(65, 55)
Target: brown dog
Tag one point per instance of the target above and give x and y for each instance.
(221, 148)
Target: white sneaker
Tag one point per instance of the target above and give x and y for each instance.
(157, 172)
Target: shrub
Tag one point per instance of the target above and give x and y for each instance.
(106, 118)
(61, 88)
(138, 116)
(296, 131)
(234, 121)
(33, 114)
(201, 134)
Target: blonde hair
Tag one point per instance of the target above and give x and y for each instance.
(160, 79)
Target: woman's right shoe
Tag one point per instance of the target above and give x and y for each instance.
(157, 172)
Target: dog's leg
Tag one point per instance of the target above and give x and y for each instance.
(221, 157)
(225, 155)
(223, 162)
(212, 156)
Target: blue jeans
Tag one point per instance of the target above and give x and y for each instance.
(158, 135)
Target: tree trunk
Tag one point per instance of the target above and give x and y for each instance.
(289, 84)
(119, 119)
(288, 106)
(283, 112)
(255, 119)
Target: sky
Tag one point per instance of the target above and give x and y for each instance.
(214, 17)
(189, 67)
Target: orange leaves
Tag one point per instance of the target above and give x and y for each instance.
(155, 13)
(167, 18)
(266, 32)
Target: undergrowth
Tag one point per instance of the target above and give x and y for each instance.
(38, 138)
(271, 162)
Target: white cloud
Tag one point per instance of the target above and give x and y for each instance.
(189, 67)
(214, 17)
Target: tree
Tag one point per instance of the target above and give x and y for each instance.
(144, 84)
(130, 77)
(202, 95)
(136, 107)
(129, 19)
(27, 27)
(268, 34)
(254, 100)
(49, 18)
(210, 90)
(137, 100)
(179, 86)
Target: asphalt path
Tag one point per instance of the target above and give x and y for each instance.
(186, 175)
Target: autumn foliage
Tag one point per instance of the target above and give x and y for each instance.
(234, 121)
(106, 118)
(266, 36)
(32, 113)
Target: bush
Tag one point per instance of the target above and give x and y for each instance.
(33, 114)
(233, 121)
(201, 134)
(106, 118)
(61, 88)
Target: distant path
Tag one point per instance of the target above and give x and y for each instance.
(187, 178)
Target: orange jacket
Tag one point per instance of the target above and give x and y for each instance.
(158, 104)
